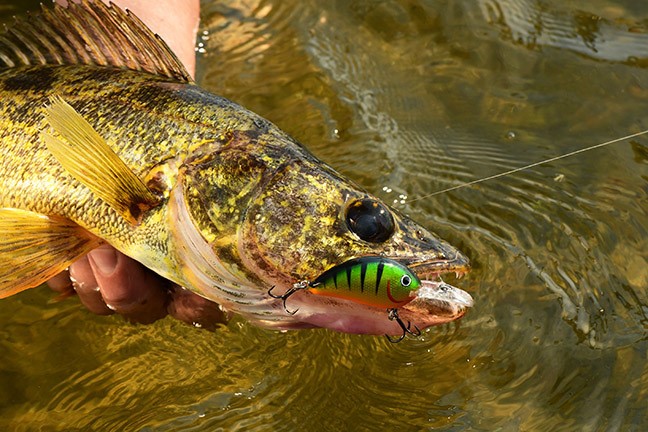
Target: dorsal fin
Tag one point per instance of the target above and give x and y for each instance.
(90, 33)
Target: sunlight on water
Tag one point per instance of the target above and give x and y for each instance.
(406, 98)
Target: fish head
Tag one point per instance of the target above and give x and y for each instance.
(253, 217)
(307, 219)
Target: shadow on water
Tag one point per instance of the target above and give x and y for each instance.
(406, 98)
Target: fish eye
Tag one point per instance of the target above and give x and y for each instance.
(370, 220)
(406, 280)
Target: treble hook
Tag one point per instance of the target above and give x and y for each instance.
(393, 315)
(296, 287)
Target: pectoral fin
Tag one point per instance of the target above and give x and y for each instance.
(35, 247)
(90, 160)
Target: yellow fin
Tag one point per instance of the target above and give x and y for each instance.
(89, 159)
(35, 247)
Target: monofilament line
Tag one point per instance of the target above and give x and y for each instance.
(533, 165)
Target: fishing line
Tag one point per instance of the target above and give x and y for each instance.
(505, 173)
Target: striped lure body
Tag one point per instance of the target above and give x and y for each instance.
(370, 280)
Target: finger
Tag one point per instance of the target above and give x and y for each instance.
(62, 284)
(127, 287)
(195, 310)
(86, 286)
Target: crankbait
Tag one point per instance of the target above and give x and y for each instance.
(370, 280)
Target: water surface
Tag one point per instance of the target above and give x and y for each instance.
(406, 98)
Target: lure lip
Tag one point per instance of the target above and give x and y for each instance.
(437, 300)
(436, 303)
(442, 295)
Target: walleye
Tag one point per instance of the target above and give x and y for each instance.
(108, 140)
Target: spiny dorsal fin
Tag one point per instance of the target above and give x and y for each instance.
(35, 248)
(90, 33)
(89, 159)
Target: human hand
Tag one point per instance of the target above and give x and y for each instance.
(108, 281)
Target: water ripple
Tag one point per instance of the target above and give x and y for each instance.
(585, 32)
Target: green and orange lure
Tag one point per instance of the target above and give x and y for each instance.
(373, 281)
(370, 280)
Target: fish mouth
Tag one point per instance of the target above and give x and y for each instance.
(436, 301)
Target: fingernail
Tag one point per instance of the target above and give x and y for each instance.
(104, 260)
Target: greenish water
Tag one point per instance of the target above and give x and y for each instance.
(405, 97)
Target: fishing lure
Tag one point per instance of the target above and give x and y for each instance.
(371, 280)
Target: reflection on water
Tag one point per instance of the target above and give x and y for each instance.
(406, 97)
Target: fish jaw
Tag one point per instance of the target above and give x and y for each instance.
(436, 302)
(425, 253)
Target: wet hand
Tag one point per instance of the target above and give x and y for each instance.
(109, 282)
